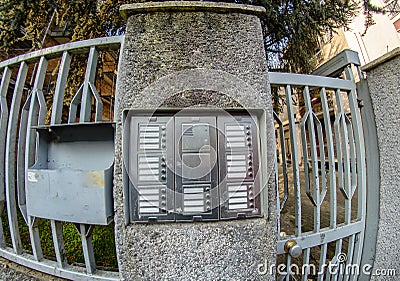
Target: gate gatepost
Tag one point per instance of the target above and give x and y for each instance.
(182, 55)
(383, 128)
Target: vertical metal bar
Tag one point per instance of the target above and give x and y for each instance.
(367, 241)
(56, 113)
(88, 253)
(331, 158)
(360, 152)
(288, 268)
(322, 261)
(295, 159)
(338, 143)
(284, 163)
(40, 74)
(321, 145)
(86, 103)
(305, 155)
(278, 204)
(353, 166)
(349, 261)
(306, 263)
(33, 224)
(5, 82)
(338, 251)
(341, 128)
(2, 239)
(119, 67)
(361, 168)
(58, 240)
(329, 269)
(309, 119)
(11, 156)
(23, 123)
(99, 103)
(357, 254)
(36, 116)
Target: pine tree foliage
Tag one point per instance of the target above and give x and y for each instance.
(292, 28)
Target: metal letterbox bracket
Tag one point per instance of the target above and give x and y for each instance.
(72, 177)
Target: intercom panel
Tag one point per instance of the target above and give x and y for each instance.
(196, 168)
(197, 165)
(151, 168)
(239, 167)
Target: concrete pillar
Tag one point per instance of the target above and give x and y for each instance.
(182, 54)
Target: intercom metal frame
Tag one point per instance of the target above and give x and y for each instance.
(154, 180)
(239, 159)
(221, 212)
(185, 187)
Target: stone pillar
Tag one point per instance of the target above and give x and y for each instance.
(384, 81)
(182, 54)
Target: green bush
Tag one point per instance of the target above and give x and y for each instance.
(103, 241)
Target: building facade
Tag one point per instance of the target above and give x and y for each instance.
(370, 43)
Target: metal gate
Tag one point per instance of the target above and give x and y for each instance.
(321, 169)
(321, 175)
(28, 108)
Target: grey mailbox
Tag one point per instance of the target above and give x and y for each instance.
(197, 165)
(73, 174)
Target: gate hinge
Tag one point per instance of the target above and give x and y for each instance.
(360, 103)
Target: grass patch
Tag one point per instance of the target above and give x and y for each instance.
(103, 241)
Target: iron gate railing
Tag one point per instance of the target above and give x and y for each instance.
(22, 108)
(321, 175)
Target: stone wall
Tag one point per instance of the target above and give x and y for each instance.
(185, 54)
(384, 85)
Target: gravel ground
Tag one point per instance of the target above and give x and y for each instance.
(12, 271)
(287, 220)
